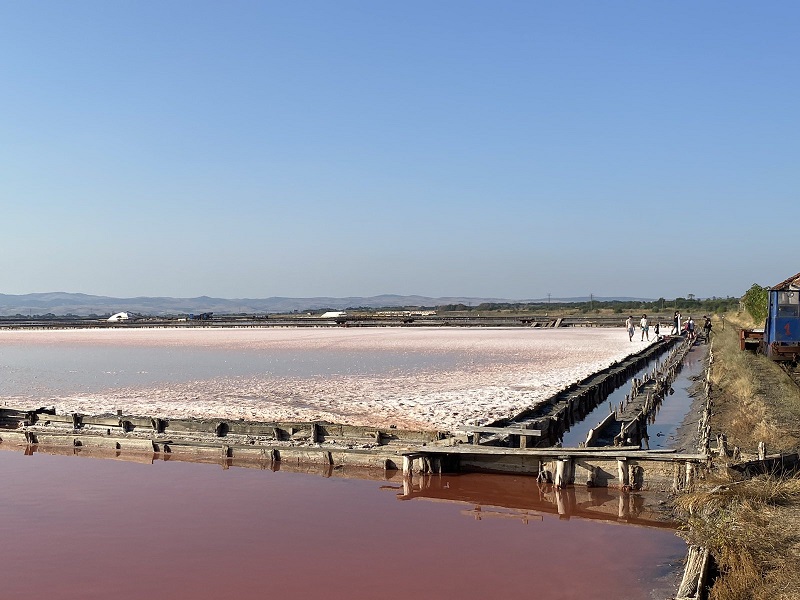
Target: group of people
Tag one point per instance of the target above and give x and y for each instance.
(689, 327)
(644, 325)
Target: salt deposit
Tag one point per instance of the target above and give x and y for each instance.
(490, 373)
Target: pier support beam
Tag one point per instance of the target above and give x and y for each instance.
(563, 472)
(622, 472)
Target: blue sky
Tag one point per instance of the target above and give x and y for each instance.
(493, 149)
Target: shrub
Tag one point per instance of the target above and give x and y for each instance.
(755, 302)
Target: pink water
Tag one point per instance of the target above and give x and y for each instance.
(74, 527)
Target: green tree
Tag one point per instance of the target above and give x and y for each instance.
(755, 302)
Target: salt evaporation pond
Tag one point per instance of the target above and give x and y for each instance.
(85, 528)
(77, 528)
(410, 377)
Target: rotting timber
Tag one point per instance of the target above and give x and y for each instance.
(550, 419)
(627, 423)
(415, 452)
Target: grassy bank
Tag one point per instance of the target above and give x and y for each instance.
(751, 527)
(754, 399)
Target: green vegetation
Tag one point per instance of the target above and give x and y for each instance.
(755, 302)
(709, 305)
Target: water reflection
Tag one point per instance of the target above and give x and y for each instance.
(519, 497)
(527, 497)
(272, 528)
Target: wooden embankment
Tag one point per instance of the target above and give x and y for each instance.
(546, 423)
(624, 468)
(385, 448)
(627, 423)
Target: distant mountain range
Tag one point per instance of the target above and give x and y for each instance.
(64, 303)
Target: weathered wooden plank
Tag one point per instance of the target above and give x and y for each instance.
(468, 429)
(694, 575)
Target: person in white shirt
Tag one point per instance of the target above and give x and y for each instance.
(645, 328)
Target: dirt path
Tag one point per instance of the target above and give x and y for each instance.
(687, 438)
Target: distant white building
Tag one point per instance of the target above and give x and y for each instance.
(120, 316)
(332, 314)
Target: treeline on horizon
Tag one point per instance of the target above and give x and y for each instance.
(707, 305)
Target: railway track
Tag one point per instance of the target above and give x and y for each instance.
(793, 370)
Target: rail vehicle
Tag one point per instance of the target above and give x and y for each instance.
(782, 328)
(779, 339)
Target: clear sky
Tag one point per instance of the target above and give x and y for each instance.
(494, 149)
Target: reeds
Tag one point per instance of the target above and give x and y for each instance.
(751, 529)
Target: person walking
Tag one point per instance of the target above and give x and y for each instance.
(630, 327)
(676, 324)
(707, 328)
(690, 328)
(645, 328)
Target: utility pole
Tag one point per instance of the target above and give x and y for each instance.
(548, 298)
(591, 301)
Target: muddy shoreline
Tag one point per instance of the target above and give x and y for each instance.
(687, 436)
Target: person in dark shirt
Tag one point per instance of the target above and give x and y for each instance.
(707, 328)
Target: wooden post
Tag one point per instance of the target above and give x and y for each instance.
(762, 451)
(633, 471)
(526, 441)
(563, 472)
(622, 471)
(314, 433)
(689, 475)
(694, 574)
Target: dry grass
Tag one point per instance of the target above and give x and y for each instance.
(751, 527)
(755, 400)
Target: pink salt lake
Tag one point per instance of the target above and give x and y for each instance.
(430, 378)
(84, 528)
(75, 527)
